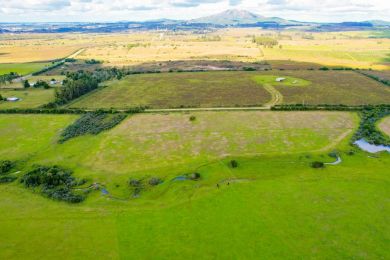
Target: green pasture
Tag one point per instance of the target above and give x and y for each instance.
(173, 90)
(29, 98)
(273, 206)
(22, 68)
(236, 89)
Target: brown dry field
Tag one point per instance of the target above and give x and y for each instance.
(350, 49)
(37, 47)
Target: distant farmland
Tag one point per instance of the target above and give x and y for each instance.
(230, 89)
(29, 98)
(22, 68)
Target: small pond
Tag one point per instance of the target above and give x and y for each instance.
(371, 148)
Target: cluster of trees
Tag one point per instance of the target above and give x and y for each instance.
(368, 129)
(38, 84)
(265, 41)
(75, 86)
(55, 182)
(8, 77)
(91, 123)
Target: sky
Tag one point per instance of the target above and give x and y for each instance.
(134, 10)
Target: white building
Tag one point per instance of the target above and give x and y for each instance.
(280, 79)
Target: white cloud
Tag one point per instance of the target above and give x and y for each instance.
(112, 10)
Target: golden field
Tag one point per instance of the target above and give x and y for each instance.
(349, 49)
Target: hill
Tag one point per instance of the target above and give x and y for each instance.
(240, 17)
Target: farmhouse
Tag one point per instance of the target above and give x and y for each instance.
(13, 99)
(280, 79)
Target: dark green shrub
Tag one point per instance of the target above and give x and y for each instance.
(192, 118)
(7, 179)
(155, 181)
(317, 165)
(135, 183)
(5, 166)
(233, 164)
(194, 176)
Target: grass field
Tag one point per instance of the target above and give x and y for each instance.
(385, 125)
(148, 144)
(335, 87)
(30, 98)
(229, 89)
(275, 205)
(165, 90)
(22, 68)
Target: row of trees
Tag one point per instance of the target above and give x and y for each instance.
(302, 107)
(46, 69)
(8, 77)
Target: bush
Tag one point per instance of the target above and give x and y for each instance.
(155, 181)
(26, 84)
(317, 165)
(192, 118)
(7, 179)
(194, 176)
(135, 183)
(5, 166)
(41, 84)
(233, 164)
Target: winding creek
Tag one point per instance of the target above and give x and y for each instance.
(371, 148)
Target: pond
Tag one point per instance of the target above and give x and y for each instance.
(371, 148)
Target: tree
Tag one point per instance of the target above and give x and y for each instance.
(26, 84)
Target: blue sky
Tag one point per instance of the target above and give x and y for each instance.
(116, 10)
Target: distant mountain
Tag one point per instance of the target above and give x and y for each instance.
(228, 18)
(379, 23)
(234, 17)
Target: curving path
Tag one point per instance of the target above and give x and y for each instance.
(276, 96)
